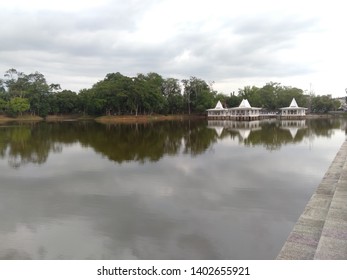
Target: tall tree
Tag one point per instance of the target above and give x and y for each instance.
(172, 92)
(198, 95)
(38, 90)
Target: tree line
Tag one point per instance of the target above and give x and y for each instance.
(143, 94)
(33, 142)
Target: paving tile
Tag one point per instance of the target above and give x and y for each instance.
(338, 214)
(320, 201)
(335, 229)
(339, 203)
(326, 188)
(331, 249)
(315, 213)
(295, 251)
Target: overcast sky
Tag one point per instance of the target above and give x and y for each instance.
(234, 43)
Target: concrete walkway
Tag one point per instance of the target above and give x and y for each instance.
(321, 231)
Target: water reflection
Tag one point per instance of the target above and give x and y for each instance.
(32, 143)
(173, 190)
(273, 134)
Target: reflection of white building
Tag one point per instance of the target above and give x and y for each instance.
(293, 111)
(293, 126)
(243, 112)
(217, 125)
(244, 128)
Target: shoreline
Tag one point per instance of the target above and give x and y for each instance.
(124, 118)
(145, 118)
(26, 118)
(319, 233)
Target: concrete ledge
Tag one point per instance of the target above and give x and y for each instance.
(321, 231)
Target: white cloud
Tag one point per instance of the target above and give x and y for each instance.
(234, 43)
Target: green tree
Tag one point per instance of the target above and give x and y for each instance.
(172, 93)
(18, 105)
(198, 95)
(3, 105)
(322, 104)
(233, 100)
(38, 90)
(16, 83)
(66, 102)
(252, 94)
(153, 100)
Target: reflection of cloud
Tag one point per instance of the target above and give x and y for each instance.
(234, 202)
(56, 240)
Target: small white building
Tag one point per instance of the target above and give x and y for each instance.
(244, 112)
(293, 111)
(217, 112)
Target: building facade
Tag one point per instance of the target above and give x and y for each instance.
(293, 111)
(243, 112)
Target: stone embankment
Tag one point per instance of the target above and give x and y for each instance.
(321, 231)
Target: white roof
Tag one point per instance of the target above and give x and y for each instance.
(244, 104)
(219, 105)
(293, 104)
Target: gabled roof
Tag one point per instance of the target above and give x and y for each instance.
(293, 104)
(219, 105)
(244, 104)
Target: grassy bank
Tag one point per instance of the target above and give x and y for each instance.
(145, 118)
(60, 118)
(20, 118)
(102, 119)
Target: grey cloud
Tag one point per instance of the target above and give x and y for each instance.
(94, 43)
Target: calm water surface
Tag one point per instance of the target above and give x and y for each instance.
(171, 190)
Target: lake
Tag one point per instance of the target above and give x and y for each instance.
(161, 190)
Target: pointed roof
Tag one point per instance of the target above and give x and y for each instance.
(293, 131)
(219, 105)
(244, 104)
(293, 104)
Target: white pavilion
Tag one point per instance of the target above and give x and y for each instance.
(217, 112)
(244, 112)
(293, 111)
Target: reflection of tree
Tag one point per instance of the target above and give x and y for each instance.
(138, 142)
(198, 138)
(323, 127)
(141, 142)
(32, 143)
(118, 142)
(272, 135)
(21, 144)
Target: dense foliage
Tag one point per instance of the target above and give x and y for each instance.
(33, 142)
(117, 94)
